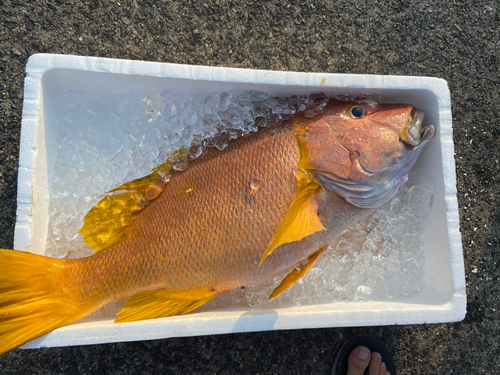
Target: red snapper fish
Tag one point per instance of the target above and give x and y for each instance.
(267, 205)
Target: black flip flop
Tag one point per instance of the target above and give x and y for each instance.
(340, 364)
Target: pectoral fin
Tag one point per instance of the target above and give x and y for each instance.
(301, 219)
(161, 303)
(296, 274)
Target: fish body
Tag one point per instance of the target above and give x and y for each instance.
(208, 230)
(268, 204)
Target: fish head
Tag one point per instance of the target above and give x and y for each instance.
(363, 151)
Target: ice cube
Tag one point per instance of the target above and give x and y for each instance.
(253, 96)
(394, 209)
(212, 103)
(233, 117)
(280, 106)
(363, 293)
(419, 201)
(111, 148)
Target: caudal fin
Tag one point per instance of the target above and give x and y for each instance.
(32, 301)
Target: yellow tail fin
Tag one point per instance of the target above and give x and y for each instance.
(32, 301)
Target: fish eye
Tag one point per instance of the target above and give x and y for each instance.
(356, 112)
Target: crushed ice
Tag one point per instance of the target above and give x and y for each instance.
(109, 139)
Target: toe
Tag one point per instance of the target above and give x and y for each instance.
(383, 370)
(375, 361)
(358, 360)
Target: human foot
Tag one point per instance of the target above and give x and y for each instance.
(361, 358)
(362, 355)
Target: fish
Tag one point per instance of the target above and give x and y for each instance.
(268, 204)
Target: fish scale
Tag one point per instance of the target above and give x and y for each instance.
(206, 230)
(267, 205)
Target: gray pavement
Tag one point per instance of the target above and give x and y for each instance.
(455, 40)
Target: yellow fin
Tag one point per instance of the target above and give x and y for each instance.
(31, 301)
(301, 219)
(296, 274)
(108, 221)
(160, 303)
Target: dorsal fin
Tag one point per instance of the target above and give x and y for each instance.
(108, 221)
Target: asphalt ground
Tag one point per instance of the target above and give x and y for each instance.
(455, 40)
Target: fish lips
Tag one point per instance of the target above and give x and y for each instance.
(379, 187)
(412, 132)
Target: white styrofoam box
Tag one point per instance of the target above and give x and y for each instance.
(443, 298)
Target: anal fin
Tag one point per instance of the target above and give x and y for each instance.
(161, 303)
(296, 274)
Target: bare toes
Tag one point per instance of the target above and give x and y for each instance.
(383, 369)
(358, 361)
(375, 361)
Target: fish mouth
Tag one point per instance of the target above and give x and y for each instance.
(380, 187)
(412, 131)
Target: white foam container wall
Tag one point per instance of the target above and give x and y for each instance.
(443, 297)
